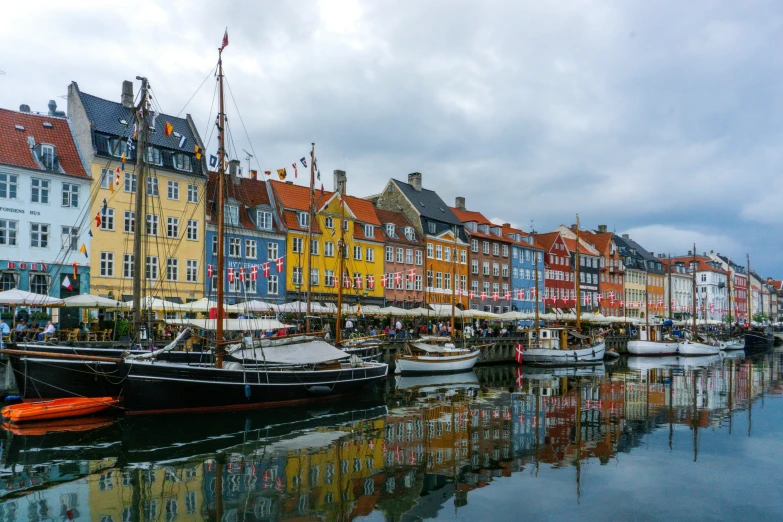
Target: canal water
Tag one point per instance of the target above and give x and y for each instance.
(643, 439)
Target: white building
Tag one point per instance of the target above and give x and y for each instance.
(44, 204)
(711, 286)
(678, 286)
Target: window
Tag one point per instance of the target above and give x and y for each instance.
(107, 219)
(409, 256)
(192, 193)
(182, 162)
(418, 283)
(463, 256)
(8, 280)
(39, 235)
(251, 286)
(250, 248)
(438, 252)
(486, 268)
(172, 269)
(152, 186)
(314, 247)
(47, 157)
(447, 281)
(271, 285)
(369, 231)
(505, 271)
(474, 267)
(130, 182)
(152, 224)
(127, 266)
(418, 257)
(119, 148)
(271, 251)
(328, 277)
(297, 245)
(495, 269)
(474, 245)
(463, 282)
(70, 195)
(429, 279)
(130, 221)
(344, 224)
(39, 190)
(313, 277)
(107, 264)
(431, 227)
(485, 247)
(297, 275)
(370, 254)
(153, 156)
(39, 283)
(151, 267)
(70, 238)
(234, 247)
(438, 280)
(232, 215)
(447, 254)
(329, 249)
(192, 230)
(389, 254)
(172, 189)
(264, 219)
(495, 249)
(357, 253)
(9, 183)
(505, 250)
(400, 255)
(303, 218)
(390, 230)
(429, 250)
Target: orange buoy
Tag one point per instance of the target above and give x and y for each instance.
(56, 408)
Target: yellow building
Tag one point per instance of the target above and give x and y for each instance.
(174, 205)
(363, 265)
(635, 292)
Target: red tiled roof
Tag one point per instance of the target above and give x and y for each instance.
(291, 222)
(297, 197)
(400, 222)
(583, 249)
(776, 284)
(601, 240)
(250, 193)
(14, 149)
(363, 210)
(467, 216)
(508, 229)
(703, 265)
(358, 232)
(547, 240)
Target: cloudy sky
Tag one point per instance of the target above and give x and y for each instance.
(661, 119)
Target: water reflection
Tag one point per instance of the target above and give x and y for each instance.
(405, 452)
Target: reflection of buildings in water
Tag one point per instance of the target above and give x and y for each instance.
(69, 501)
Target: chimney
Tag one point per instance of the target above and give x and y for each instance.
(506, 225)
(414, 179)
(625, 236)
(24, 108)
(690, 252)
(53, 109)
(652, 254)
(127, 94)
(573, 227)
(459, 202)
(233, 171)
(340, 181)
(601, 228)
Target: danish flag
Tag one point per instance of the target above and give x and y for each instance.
(265, 268)
(519, 352)
(483, 295)
(254, 273)
(508, 295)
(495, 296)
(346, 281)
(532, 292)
(209, 271)
(241, 273)
(411, 274)
(472, 294)
(357, 281)
(383, 280)
(599, 298)
(398, 278)
(279, 264)
(230, 275)
(371, 282)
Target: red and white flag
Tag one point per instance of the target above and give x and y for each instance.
(495, 296)
(279, 264)
(67, 283)
(209, 271)
(411, 274)
(357, 282)
(265, 268)
(254, 273)
(371, 282)
(398, 278)
(241, 273)
(225, 40)
(472, 295)
(230, 275)
(383, 280)
(519, 352)
(483, 295)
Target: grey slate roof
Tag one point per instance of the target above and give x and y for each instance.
(428, 203)
(105, 115)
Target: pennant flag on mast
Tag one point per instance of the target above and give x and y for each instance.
(83, 250)
(282, 174)
(225, 40)
(296, 172)
(182, 141)
(304, 161)
(254, 174)
(213, 160)
(74, 270)
(67, 283)
(168, 129)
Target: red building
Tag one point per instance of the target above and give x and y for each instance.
(559, 289)
(403, 260)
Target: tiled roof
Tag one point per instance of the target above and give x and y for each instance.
(297, 197)
(547, 240)
(15, 150)
(509, 230)
(427, 203)
(776, 284)
(467, 216)
(249, 192)
(292, 222)
(584, 248)
(358, 232)
(105, 116)
(363, 210)
(400, 222)
(703, 263)
(601, 240)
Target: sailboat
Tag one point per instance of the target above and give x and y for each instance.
(755, 338)
(245, 375)
(549, 346)
(692, 346)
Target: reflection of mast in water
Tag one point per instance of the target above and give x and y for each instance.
(536, 426)
(695, 419)
(578, 393)
(750, 397)
(671, 407)
(731, 394)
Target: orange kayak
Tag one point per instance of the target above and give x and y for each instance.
(56, 408)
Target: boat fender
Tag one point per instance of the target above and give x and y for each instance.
(12, 398)
(356, 361)
(593, 352)
(247, 391)
(319, 390)
(231, 365)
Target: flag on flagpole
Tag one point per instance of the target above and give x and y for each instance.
(279, 264)
(281, 173)
(304, 161)
(213, 161)
(98, 219)
(168, 129)
(89, 232)
(197, 150)
(67, 283)
(224, 44)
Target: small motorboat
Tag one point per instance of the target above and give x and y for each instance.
(432, 358)
(57, 408)
(732, 344)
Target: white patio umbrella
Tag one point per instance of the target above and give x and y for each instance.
(419, 312)
(159, 305)
(203, 305)
(16, 297)
(93, 301)
(258, 306)
(444, 310)
(393, 310)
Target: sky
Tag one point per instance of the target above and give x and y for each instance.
(657, 119)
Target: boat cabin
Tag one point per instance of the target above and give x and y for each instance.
(550, 338)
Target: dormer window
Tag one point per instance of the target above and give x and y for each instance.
(182, 162)
(153, 156)
(410, 234)
(369, 231)
(431, 227)
(232, 215)
(390, 228)
(303, 218)
(264, 219)
(47, 157)
(472, 226)
(496, 231)
(484, 229)
(118, 148)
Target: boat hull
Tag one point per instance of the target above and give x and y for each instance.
(155, 387)
(691, 349)
(652, 348)
(434, 364)
(757, 340)
(568, 357)
(734, 344)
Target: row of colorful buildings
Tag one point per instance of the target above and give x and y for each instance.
(75, 174)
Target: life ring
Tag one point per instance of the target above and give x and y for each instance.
(634, 332)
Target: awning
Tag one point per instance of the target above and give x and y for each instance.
(233, 325)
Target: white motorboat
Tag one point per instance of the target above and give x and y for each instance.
(435, 358)
(547, 350)
(692, 349)
(652, 342)
(732, 344)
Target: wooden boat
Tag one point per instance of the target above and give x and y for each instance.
(57, 408)
(653, 341)
(433, 358)
(694, 348)
(549, 349)
(737, 343)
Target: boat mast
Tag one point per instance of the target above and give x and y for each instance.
(578, 295)
(538, 327)
(340, 256)
(310, 238)
(454, 285)
(749, 299)
(140, 224)
(693, 270)
(729, 281)
(221, 224)
(671, 295)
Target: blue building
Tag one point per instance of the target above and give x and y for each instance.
(254, 237)
(524, 253)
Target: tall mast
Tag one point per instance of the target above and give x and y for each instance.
(221, 222)
(140, 217)
(310, 237)
(749, 299)
(577, 259)
(671, 295)
(340, 257)
(538, 327)
(729, 282)
(693, 270)
(454, 284)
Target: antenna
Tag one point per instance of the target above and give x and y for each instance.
(247, 158)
